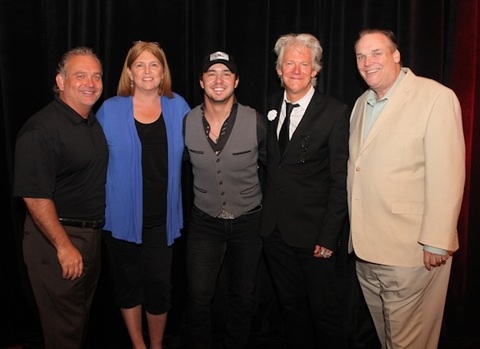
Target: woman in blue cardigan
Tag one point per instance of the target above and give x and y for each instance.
(143, 128)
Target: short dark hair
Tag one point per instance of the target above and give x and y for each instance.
(388, 33)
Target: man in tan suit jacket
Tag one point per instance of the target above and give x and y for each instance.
(406, 175)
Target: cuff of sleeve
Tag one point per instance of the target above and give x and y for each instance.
(435, 250)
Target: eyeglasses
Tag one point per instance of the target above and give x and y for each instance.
(146, 42)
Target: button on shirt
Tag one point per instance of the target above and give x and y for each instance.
(297, 112)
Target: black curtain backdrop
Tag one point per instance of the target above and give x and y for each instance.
(34, 33)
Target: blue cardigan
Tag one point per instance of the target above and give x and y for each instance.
(124, 188)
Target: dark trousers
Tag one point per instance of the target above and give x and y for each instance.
(141, 273)
(210, 243)
(64, 305)
(307, 291)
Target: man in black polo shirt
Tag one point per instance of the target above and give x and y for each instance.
(60, 171)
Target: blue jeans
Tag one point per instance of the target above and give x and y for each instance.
(210, 243)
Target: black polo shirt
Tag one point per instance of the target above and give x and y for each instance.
(63, 157)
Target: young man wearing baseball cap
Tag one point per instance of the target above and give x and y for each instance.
(225, 142)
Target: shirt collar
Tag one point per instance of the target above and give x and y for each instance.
(73, 116)
(371, 97)
(305, 100)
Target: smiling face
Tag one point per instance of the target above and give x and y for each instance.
(296, 71)
(378, 62)
(219, 83)
(146, 72)
(80, 85)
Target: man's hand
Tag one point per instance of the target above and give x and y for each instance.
(322, 252)
(432, 260)
(71, 262)
(44, 214)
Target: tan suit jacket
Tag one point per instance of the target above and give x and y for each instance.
(405, 181)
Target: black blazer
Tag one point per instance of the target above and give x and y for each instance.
(305, 194)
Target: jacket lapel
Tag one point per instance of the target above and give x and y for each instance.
(273, 125)
(303, 126)
(389, 113)
(310, 114)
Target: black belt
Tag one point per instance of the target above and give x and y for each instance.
(80, 223)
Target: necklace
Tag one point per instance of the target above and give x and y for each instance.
(215, 137)
(213, 134)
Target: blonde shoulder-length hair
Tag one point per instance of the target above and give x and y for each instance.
(126, 88)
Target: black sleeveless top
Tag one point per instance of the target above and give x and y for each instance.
(153, 137)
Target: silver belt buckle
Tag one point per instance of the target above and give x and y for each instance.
(226, 215)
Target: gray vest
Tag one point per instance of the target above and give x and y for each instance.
(227, 181)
